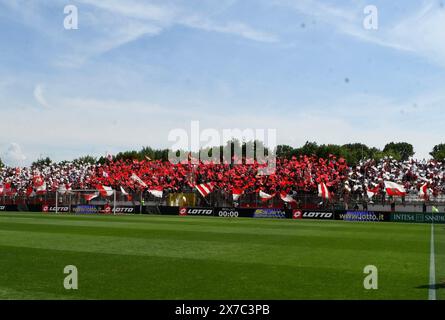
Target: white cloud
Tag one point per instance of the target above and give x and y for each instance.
(145, 11)
(235, 28)
(120, 23)
(421, 33)
(39, 96)
(14, 155)
(105, 25)
(81, 125)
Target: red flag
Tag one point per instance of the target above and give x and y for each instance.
(157, 192)
(372, 192)
(90, 196)
(394, 189)
(265, 197)
(287, 198)
(236, 193)
(29, 191)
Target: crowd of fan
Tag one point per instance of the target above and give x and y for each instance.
(296, 175)
(412, 174)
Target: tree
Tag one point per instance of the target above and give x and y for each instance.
(438, 152)
(309, 149)
(86, 159)
(404, 150)
(2, 165)
(42, 162)
(128, 155)
(324, 151)
(354, 152)
(285, 151)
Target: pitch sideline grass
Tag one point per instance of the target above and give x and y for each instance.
(439, 234)
(169, 257)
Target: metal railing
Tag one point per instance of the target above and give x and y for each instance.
(218, 199)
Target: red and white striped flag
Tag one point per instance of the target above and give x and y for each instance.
(394, 189)
(135, 178)
(287, 198)
(423, 193)
(206, 188)
(265, 196)
(323, 191)
(125, 193)
(105, 191)
(157, 192)
(237, 193)
(41, 189)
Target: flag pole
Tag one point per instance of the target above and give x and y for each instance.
(208, 203)
(140, 203)
(204, 199)
(114, 202)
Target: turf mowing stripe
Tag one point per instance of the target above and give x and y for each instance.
(137, 258)
(432, 289)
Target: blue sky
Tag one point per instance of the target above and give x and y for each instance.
(134, 70)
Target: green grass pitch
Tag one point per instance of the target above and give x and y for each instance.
(168, 257)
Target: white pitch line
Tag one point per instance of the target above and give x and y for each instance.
(432, 289)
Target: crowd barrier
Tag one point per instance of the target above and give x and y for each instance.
(227, 212)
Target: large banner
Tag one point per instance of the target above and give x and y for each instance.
(272, 213)
(435, 217)
(4, 208)
(104, 209)
(418, 217)
(226, 212)
(184, 211)
(363, 216)
(61, 209)
(317, 215)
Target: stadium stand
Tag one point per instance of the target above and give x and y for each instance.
(298, 178)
